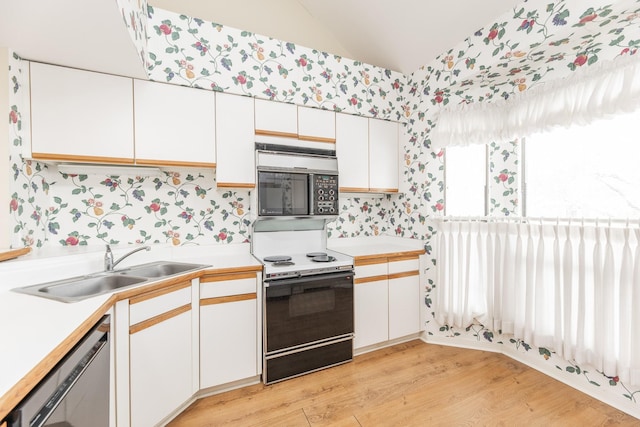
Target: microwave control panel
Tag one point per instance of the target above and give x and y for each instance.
(325, 194)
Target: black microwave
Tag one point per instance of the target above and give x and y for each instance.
(290, 185)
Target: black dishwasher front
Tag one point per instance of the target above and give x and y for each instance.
(76, 391)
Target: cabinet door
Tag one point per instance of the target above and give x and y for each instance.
(383, 156)
(371, 314)
(174, 125)
(80, 115)
(316, 125)
(276, 119)
(228, 343)
(235, 141)
(352, 147)
(404, 305)
(160, 352)
(228, 329)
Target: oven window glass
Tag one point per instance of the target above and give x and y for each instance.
(315, 308)
(281, 193)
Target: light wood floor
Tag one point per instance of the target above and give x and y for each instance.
(411, 384)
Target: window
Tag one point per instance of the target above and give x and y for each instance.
(588, 171)
(465, 180)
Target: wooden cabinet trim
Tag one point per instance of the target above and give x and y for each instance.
(383, 190)
(158, 319)
(388, 256)
(153, 162)
(317, 139)
(376, 259)
(276, 133)
(404, 274)
(81, 159)
(234, 185)
(230, 270)
(225, 277)
(14, 253)
(158, 292)
(230, 298)
(403, 258)
(354, 190)
(359, 280)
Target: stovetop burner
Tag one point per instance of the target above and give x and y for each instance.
(277, 258)
(323, 258)
(315, 254)
(283, 263)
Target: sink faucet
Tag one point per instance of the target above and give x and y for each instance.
(109, 263)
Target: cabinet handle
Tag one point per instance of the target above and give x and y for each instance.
(158, 319)
(230, 298)
(359, 280)
(404, 274)
(158, 292)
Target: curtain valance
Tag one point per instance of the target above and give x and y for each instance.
(587, 94)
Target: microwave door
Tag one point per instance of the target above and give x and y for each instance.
(283, 193)
(299, 195)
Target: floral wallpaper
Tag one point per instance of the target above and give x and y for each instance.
(134, 17)
(534, 43)
(49, 208)
(192, 52)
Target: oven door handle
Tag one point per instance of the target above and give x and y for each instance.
(305, 279)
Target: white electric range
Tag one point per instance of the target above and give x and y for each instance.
(308, 318)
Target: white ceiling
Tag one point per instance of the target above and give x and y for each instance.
(401, 35)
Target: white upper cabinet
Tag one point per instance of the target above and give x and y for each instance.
(80, 115)
(292, 125)
(352, 146)
(367, 151)
(316, 125)
(174, 125)
(276, 119)
(383, 156)
(235, 141)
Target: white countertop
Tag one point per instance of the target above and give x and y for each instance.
(32, 327)
(370, 246)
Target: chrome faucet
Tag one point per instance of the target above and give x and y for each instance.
(109, 263)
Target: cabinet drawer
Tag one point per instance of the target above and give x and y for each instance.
(225, 285)
(404, 265)
(155, 303)
(371, 270)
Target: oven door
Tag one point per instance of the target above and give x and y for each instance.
(307, 310)
(283, 193)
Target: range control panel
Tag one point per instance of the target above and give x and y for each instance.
(324, 194)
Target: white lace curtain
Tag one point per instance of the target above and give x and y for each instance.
(572, 288)
(603, 89)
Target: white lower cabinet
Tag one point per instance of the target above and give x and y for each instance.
(370, 311)
(386, 299)
(160, 353)
(229, 339)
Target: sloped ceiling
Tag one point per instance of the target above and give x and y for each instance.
(401, 35)
(86, 34)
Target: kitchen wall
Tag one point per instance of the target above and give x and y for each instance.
(4, 148)
(537, 42)
(183, 206)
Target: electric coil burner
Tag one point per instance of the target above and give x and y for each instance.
(308, 301)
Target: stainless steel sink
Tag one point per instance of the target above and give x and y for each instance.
(160, 269)
(82, 287)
